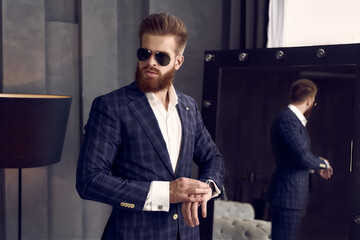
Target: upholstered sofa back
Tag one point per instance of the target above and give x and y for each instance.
(235, 221)
(232, 209)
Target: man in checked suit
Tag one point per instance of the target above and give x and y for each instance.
(289, 186)
(140, 142)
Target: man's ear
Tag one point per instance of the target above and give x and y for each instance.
(179, 61)
(308, 101)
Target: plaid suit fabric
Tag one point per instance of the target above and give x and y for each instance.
(289, 186)
(285, 223)
(123, 151)
(291, 149)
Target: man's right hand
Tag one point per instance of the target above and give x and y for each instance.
(188, 190)
(328, 172)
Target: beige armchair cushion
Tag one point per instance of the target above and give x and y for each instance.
(235, 221)
(240, 229)
(232, 209)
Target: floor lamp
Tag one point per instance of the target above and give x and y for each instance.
(32, 132)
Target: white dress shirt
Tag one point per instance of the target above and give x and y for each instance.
(299, 115)
(170, 126)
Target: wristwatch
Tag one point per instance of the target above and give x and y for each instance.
(210, 183)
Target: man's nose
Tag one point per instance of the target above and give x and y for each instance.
(152, 61)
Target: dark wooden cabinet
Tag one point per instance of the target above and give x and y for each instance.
(244, 90)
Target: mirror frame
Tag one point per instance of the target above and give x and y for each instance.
(322, 55)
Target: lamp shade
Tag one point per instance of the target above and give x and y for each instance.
(32, 129)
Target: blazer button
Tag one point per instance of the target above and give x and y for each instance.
(175, 216)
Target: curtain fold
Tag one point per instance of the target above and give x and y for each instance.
(248, 24)
(276, 23)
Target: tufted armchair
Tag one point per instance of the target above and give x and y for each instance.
(235, 221)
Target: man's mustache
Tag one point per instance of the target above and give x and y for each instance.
(150, 69)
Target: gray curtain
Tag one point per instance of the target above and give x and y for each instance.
(248, 24)
(1, 81)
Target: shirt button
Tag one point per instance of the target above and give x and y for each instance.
(160, 207)
(175, 216)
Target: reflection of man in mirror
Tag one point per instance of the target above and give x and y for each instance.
(289, 186)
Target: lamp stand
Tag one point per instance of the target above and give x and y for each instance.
(32, 128)
(19, 204)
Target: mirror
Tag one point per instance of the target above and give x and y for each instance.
(247, 96)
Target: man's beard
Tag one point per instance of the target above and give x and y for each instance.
(153, 84)
(308, 112)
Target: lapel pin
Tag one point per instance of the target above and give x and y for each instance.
(187, 109)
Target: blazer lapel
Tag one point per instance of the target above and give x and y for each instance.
(182, 110)
(142, 111)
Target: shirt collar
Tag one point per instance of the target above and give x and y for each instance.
(298, 114)
(173, 99)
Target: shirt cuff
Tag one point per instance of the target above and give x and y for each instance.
(327, 164)
(216, 191)
(158, 197)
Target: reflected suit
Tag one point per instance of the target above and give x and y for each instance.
(289, 186)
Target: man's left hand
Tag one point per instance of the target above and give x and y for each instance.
(190, 210)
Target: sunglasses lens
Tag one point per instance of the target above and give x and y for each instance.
(143, 54)
(162, 58)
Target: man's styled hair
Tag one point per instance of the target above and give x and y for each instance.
(301, 89)
(162, 24)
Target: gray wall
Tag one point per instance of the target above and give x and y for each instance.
(83, 49)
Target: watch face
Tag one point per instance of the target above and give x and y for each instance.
(211, 185)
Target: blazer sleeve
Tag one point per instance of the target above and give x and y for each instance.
(298, 146)
(101, 142)
(207, 155)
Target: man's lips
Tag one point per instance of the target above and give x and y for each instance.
(151, 72)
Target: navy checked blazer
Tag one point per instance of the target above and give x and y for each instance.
(289, 186)
(123, 151)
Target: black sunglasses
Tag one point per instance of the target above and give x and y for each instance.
(162, 58)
